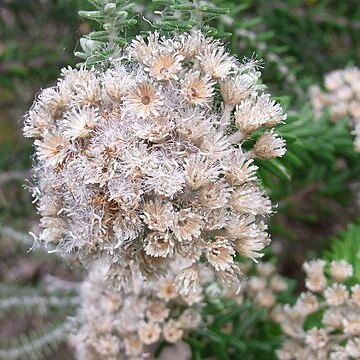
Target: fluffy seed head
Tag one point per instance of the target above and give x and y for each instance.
(137, 166)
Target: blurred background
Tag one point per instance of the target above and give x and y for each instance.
(299, 40)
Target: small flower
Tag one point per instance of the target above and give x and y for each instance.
(265, 112)
(159, 244)
(157, 312)
(37, 121)
(307, 303)
(316, 338)
(316, 282)
(249, 198)
(200, 171)
(238, 88)
(187, 280)
(351, 324)
(193, 124)
(216, 62)
(220, 254)
(193, 298)
(314, 267)
(265, 299)
(116, 83)
(88, 93)
(143, 51)
(239, 169)
(133, 345)
(53, 148)
(57, 99)
(165, 178)
(189, 319)
(269, 145)
(265, 269)
(172, 331)
(278, 284)
(336, 295)
(251, 244)
(187, 225)
(257, 283)
(333, 80)
(288, 349)
(143, 99)
(149, 333)
(167, 290)
(214, 195)
(165, 66)
(196, 89)
(156, 130)
(340, 270)
(107, 345)
(79, 123)
(158, 215)
(192, 44)
(332, 318)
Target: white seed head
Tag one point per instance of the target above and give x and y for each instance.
(134, 165)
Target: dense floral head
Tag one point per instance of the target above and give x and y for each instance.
(341, 96)
(337, 308)
(131, 324)
(144, 163)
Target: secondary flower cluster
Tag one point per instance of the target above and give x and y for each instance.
(341, 97)
(338, 307)
(130, 324)
(143, 163)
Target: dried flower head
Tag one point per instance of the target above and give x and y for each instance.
(143, 164)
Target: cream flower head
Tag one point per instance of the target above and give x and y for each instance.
(146, 164)
(144, 315)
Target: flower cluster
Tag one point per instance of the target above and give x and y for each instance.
(144, 163)
(130, 324)
(335, 304)
(341, 97)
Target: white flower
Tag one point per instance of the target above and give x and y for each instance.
(238, 88)
(316, 338)
(172, 331)
(307, 303)
(165, 65)
(79, 123)
(143, 99)
(216, 62)
(139, 165)
(314, 267)
(340, 270)
(197, 89)
(220, 254)
(265, 112)
(336, 295)
(269, 145)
